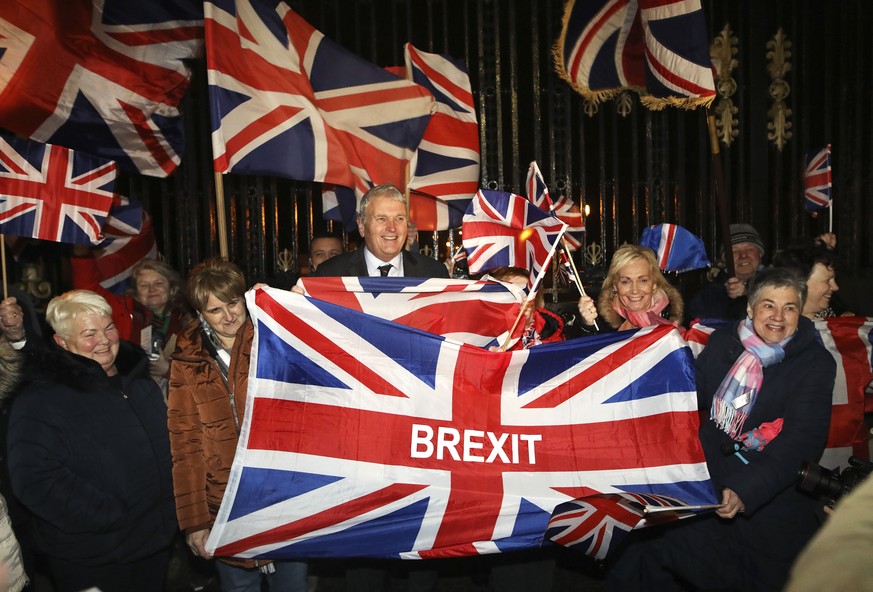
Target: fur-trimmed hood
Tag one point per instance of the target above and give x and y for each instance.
(675, 310)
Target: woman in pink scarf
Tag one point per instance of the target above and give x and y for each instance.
(635, 293)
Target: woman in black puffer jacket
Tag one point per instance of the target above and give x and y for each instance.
(89, 454)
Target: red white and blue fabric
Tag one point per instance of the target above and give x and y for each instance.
(597, 524)
(286, 101)
(53, 193)
(456, 309)
(445, 168)
(100, 77)
(340, 204)
(817, 180)
(129, 239)
(676, 248)
(363, 437)
(563, 208)
(848, 340)
(503, 229)
(659, 48)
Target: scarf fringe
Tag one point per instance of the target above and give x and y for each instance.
(729, 419)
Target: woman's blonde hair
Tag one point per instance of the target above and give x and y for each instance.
(626, 255)
(62, 310)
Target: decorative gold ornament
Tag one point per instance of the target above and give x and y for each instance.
(624, 104)
(426, 250)
(33, 283)
(594, 254)
(285, 259)
(590, 107)
(722, 52)
(778, 66)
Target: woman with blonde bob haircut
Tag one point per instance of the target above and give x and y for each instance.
(89, 454)
(636, 294)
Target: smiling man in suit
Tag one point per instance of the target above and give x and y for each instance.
(384, 225)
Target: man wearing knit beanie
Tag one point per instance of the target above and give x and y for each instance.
(724, 297)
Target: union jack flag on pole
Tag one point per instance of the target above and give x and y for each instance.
(564, 209)
(676, 249)
(503, 229)
(659, 48)
(287, 101)
(53, 193)
(363, 437)
(129, 240)
(95, 75)
(445, 168)
(817, 180)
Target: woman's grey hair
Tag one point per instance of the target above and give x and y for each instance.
(174, 280)
(63, 310)
(385, 190)
(776, 277)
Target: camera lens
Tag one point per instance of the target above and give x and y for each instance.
(817, 480)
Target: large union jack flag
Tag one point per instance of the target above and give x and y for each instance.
(817, 180)
(848, 340)
(445, 168)
(456, 309)
(287, 101)
(503, 229)
(657, 47)
(104, 76)
(363, 437)
(563, 209)
(53, 193)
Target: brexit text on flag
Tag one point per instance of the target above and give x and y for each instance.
(53, 193)
(659, 48)
(461, 310)
(503, 229)
(100, 77)
(363, 437)
(817, 180)
(444, 173)
(676, 249)
(286, 101)
(563, 208)
(848, 340)
(129, 239)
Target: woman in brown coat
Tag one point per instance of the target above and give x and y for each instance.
(207, 400)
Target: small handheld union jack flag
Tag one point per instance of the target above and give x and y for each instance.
(564, 209)
(503, 229)
(817, 180)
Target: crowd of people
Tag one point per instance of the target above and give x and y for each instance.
(122, 425)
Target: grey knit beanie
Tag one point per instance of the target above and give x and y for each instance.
(746, 233)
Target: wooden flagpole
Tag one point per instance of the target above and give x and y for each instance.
(220, 217)
(720, 197)
(3, 257)
(575, 273)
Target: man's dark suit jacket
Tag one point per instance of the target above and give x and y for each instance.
(354, 264)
